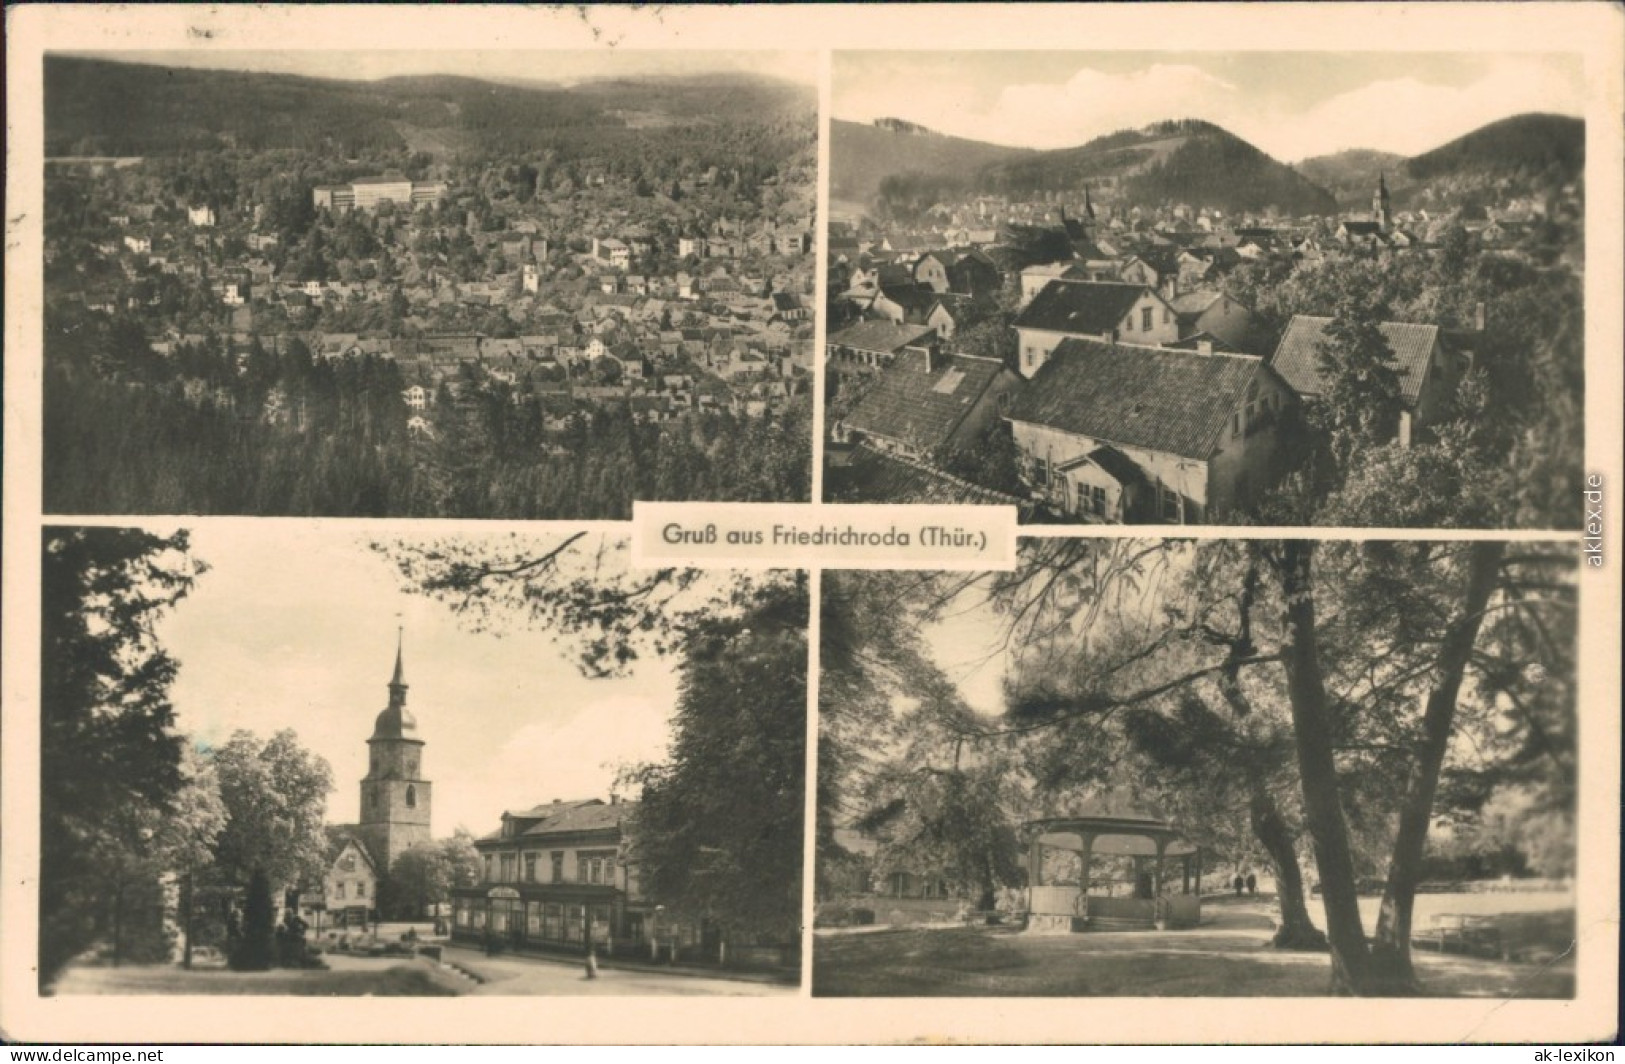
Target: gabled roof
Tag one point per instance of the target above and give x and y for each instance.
(340, 836)
(1297, 357)
(591, 815)
(1083, 308)
(875, 476)
(924, 407)
(881, 336)
(1162, 258)
(1158, 398)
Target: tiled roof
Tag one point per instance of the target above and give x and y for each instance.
(1083, 308)
(1158, 398)
(1297, 357)
(923, 408)
(879, 336)
(582, 816)
(873, 476)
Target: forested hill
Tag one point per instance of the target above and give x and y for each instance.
(1352, 175)
(96, 107)
(1184, 161)
(862, 156)
(1532, 145)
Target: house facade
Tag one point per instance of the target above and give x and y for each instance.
(1113, 433)
(1067, 309)
(560, 875)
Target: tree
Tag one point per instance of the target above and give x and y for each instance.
(107, 745)
(718, 828)
(275, 794)
(1430, 644)
(425, 875)
(255, 947)
(1361, 404)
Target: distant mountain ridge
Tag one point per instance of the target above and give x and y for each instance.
(862, 155)
(1180, 161)
(101, 107)
(1531, 143)
(1352, 175)
(1513, 156)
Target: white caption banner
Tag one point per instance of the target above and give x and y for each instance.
(798, 536)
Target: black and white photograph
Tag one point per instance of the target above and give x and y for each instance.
(988, 524)
(1220, 288)
(427, 284)
(430, 765)
(1226, 768)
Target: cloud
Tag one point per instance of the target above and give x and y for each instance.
(1064, 114)
(1091, 103)
(1411, 116)
(1408, 114)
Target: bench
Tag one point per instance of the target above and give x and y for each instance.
(1465, 933)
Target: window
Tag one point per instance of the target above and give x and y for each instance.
(347, 863)
(488, 867)
(530, 868)
(361, 888)
(558, 867)
(1092, 499)
(1145, 319)
(411, 796)
(1170, 505)
(507, 868)
(1167, 315)
(338, 891)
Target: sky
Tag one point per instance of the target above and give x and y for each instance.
(551, 66)
(294, 626)
(1293, 105)
(969, 641)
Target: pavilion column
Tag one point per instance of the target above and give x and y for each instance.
(1035, 865)
(1156, 878)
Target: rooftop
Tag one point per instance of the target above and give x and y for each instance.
(1161, 399)
(1297, 356)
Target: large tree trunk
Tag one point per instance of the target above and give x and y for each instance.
(1391, 946)
(1297, 931)
(1317, 770)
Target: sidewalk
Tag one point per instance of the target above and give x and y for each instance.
(471, 959)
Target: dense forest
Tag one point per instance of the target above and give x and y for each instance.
(1532, 143)
(277, 432)
(99, 108)
(1168, 162)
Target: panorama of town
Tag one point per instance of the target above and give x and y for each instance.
(401, 310)
(1166, 325)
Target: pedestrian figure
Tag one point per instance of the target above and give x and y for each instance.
(1238, 883)
(592, 961)
(1252, 883)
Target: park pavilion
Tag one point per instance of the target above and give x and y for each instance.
(1111, 867)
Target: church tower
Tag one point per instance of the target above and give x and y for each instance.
(395, 798)
(1381, 207)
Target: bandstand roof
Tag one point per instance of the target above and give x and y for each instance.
(1117, 828)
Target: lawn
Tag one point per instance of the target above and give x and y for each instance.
(349, 977)
(1228, 956)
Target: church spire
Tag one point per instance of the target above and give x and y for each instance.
(399, 679)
